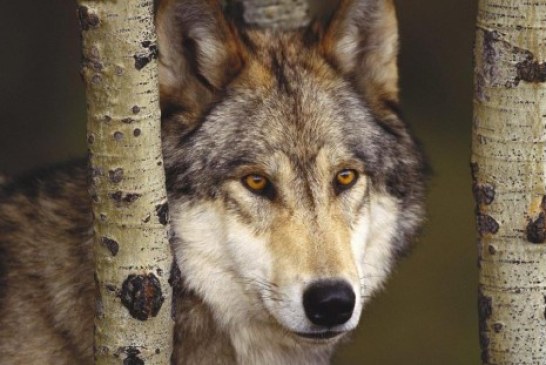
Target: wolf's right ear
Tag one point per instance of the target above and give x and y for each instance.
(361, 40)
(199, 52)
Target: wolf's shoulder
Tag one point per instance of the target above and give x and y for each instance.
(45, 182)
(46, 263)
(45, 216)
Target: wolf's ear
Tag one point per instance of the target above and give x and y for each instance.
(199, 52)
(361, 40)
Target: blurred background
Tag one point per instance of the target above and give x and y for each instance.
(427, 314)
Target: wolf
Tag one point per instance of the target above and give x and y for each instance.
(293, 183)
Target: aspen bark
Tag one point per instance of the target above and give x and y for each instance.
(286, 14)
(509, 172)
(133, 323)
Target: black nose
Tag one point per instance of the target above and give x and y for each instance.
(329, 303)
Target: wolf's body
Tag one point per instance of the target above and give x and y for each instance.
(302, 111)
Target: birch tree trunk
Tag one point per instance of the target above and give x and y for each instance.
(509, 171)
(133, 323)
(286, 14)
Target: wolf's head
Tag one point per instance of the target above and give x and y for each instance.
(292, 182)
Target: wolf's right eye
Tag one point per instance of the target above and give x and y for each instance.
(255, 182)
(259, 185)
(345, 179)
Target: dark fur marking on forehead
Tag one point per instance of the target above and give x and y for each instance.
(302, 166)
(309, 195)
(277, 67)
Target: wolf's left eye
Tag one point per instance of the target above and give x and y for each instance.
(345, 179)
(259, 185)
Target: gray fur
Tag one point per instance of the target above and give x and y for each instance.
(304, 106)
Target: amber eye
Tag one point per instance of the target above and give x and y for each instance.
(345, 179)
(259, 185)
(255, 182)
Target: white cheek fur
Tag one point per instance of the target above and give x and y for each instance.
(229, 266)
(221, 260)
(376, 258)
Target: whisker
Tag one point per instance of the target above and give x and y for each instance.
(372, 265)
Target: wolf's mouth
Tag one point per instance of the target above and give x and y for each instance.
(326, 335)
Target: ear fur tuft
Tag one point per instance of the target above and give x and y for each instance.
(199, 51)
(361, 40)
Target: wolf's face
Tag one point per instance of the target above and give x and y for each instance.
(293, 187)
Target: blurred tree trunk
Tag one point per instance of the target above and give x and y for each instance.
(285, 14)
(133, 323)
(509, 171)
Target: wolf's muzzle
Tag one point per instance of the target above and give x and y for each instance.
(329, 303)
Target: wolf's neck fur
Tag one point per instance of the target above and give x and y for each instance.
(200, 340)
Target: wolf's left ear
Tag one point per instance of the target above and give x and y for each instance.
(199, 52)
(361, 40)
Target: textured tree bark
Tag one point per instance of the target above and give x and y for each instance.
(509, 171)
(286, 14)
(133, 323)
